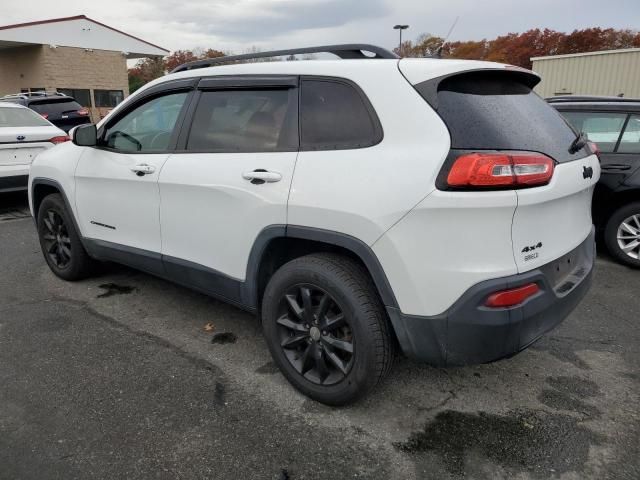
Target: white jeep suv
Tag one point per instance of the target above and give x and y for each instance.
(356, 205)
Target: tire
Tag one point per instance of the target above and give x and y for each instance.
(60, 242)
(629, 214)
(333, 285)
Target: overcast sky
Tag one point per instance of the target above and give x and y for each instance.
(237, 25)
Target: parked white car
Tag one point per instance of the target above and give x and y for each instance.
(355, 205)
(23, 135)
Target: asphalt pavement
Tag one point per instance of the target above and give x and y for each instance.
(128, 376)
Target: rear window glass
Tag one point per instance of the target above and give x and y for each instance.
(55, 106)
(600, 127)
(334, 115)
(20, 117)
(494, 111)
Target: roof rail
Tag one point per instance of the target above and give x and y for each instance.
(345, 51)
(27, 95)
(589, 98)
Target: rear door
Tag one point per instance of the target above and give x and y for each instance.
(231, 175)
(605, 129)
(497, 111)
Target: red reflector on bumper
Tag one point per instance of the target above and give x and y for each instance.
(512, 297)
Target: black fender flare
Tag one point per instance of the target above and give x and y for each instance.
(348, 242)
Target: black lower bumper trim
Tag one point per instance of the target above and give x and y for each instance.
(14, 183)
(470, 333)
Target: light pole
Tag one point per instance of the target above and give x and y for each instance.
(400, 28)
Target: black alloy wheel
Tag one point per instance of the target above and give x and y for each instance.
(59, 240)
(326, 328)
(315, 334)
(57, 243)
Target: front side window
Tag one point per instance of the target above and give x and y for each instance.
(600, 127)
(333, 116)
(630, 142)
(147, 128)
(244, 121)
(107, 98)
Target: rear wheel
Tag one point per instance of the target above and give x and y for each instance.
(60, 242)
(326, 328)
(622, 234)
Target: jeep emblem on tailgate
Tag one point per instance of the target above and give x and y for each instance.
(20, 138)
(587, 172)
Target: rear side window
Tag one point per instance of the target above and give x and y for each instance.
(496, 111)
(630, 142)
(600, 127)
(20, 117)
(334, 115)
(245, 121)
(55, 107)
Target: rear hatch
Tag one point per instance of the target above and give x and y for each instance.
(23, 134)
(494, 112)
(64, 112)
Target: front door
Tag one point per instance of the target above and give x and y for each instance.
(231, 179)
(117, 194)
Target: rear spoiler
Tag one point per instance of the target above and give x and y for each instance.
(429, 88)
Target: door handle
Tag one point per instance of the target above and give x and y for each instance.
(260, 176)
(143, 169)
(615, 166)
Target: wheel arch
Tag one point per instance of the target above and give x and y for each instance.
(41, 188)
(278, 244)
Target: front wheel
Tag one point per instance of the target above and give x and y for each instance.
(60, 242)
(326, 328)
(622, 234)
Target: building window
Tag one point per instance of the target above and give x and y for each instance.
(107, 98)
(81, 95)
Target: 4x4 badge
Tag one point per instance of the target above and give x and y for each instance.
(532, 248)
(587, 172)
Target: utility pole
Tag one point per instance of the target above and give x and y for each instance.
(400, 28)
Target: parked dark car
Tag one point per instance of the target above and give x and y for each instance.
(61, 110)
(613, 123)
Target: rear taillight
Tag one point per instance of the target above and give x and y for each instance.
(44, 115)
(500, 170)
(83, 111)
(512, 297)
(60, 139)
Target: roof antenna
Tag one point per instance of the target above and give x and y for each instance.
(438, 53)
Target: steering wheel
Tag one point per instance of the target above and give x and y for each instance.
(128, 137)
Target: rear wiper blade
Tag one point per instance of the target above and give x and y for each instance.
(579, 143)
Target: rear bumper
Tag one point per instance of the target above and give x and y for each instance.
(470, 333)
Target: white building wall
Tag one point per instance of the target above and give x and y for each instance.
(599, 73)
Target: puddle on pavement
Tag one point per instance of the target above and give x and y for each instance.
(543, 444)
(112, 289)
(224, 338)
(569, 393)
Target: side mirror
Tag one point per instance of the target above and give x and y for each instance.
(85, 135)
